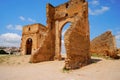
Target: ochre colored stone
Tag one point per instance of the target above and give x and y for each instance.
(44, 42)
(118, 51)
(104, 45)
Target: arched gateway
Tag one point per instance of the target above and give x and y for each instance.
(29, 46)
(47, 40)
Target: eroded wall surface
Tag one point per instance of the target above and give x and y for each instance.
(46, 50)
(77, 45)
(33, 32)
(77, 41)
(104, 45)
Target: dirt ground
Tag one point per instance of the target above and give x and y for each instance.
(19, 68)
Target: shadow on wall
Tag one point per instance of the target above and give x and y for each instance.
(29, 46)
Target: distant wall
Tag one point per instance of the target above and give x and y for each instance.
(104, 45)
(34, 32)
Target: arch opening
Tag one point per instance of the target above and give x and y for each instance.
(29, 46)
(65, 27)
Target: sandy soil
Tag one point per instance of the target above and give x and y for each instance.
(19, 68)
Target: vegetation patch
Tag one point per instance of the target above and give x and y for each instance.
(101, 56)
(65, 70)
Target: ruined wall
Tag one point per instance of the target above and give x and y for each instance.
(46, 51)
(68, 9)
(47, 40)
(33, 32)
(104, 45)
(51, 26)
(77, 44)
(77, 41)
(66, 13)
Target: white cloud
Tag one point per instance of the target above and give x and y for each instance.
(62, 41)
(66, 27)
(14, 27)
(18, 27)
(10, 26)
(31, 20)
(118, 43)
(63, 47)
(118, 39)
(10, 40)
(102, 10)
(22, 18)
(96, 8)
(94, 2)
(63, 32)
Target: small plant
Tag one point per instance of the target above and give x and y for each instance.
(101, 56)
(30, 62)
(66, 70)
(95, 55)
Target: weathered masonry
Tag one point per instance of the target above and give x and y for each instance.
(44, 42)
(104, 45)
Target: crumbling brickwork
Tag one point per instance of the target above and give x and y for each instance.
(47, 39)
(77, 45)
(104, 45)
(35, 32)
(46, 51)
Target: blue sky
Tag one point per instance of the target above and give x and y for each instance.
(14, 14)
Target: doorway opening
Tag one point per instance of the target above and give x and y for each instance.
(29, 46)
(63, 31)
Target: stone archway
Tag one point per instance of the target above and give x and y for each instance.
(59, 26)
(63, 31)
(29, 46)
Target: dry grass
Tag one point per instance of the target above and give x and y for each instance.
(14, 59)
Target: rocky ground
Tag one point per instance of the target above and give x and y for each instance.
(19, 68)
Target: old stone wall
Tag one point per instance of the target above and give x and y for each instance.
(69, 9)
(66, 13)
(46, 50)
(46, 40)
(77, 41)
(104, 45)
(33, 32)
(77, 45)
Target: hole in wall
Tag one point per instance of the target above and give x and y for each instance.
(66, 14)
(29, 29)
(67, 5)
(29, 46)
(63, 31)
